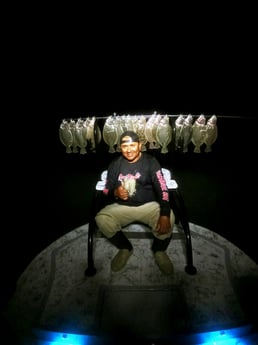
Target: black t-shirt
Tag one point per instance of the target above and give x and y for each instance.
(143, 180)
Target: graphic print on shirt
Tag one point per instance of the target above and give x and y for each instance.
(163, 185)
(129, 182)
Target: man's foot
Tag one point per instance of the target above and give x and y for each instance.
(164, 263)
(120, 260)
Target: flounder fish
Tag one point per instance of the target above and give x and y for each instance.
(80, 136)
(164, 133)
(110, 134)
(211, 133)
(65, 135)
(187, 131)
(179, 124)
(139, 128)
(151, 129)
(199, 132)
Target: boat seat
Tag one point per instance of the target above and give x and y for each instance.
(179, 209)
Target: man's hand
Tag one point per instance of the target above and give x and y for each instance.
(163, 225)
(121, 193)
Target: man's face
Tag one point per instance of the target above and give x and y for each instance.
(131, 150)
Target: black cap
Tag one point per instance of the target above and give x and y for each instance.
(134, 137)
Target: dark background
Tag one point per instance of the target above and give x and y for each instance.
(46, 193)
(198, 61)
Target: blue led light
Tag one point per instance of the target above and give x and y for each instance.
(233, 336)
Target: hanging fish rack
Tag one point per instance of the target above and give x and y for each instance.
(157, 132)
(149, 115)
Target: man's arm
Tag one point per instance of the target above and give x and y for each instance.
(161, 190)
(112, 181)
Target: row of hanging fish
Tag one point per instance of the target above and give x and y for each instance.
(199, 133)
(79, 135)
(155, 132)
